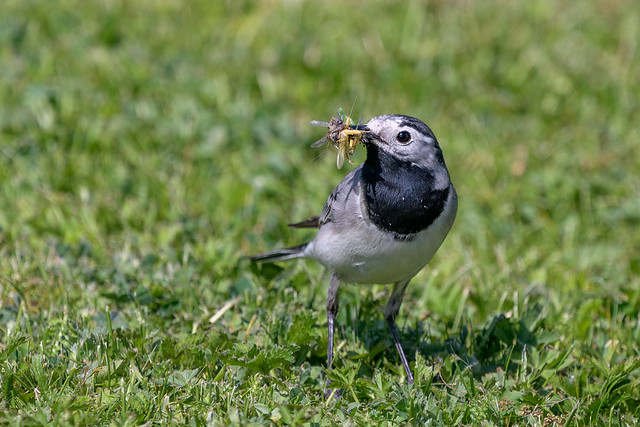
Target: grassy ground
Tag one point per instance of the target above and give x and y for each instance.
(145, 147)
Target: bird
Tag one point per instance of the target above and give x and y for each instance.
(384, 221)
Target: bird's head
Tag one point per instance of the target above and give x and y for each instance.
(404, 138)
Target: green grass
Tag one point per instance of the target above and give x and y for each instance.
(146, 147)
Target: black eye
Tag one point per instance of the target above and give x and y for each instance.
(403, 136)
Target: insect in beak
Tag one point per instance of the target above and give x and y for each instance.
(343, 135)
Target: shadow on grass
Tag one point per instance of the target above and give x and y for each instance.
(499, 345)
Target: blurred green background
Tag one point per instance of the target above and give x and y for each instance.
(145, 147)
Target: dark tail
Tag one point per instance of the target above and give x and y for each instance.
(280, 254)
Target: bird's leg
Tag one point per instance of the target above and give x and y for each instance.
(332, 311)
(390, 313)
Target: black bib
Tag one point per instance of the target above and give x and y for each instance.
(400, 195)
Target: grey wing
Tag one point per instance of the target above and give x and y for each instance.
(325, 215)
(338, 197)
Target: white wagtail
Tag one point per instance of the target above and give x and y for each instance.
(386, 219)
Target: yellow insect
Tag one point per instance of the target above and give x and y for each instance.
(343, 135)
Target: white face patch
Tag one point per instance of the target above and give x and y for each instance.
(421, 148)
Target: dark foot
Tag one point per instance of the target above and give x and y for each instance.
(403, 358)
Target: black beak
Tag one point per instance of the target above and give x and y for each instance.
(366, 135)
